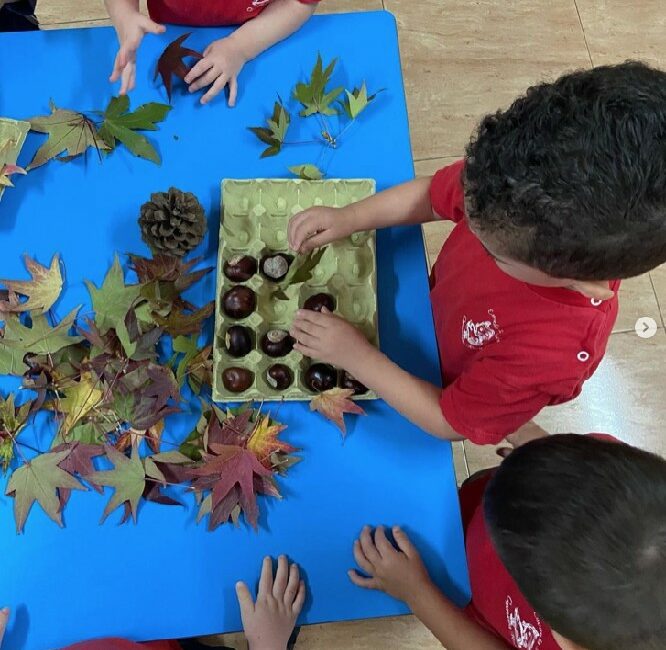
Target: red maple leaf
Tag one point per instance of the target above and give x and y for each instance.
(171, 62)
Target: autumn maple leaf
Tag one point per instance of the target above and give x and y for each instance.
(263, 441)
(230, 476)
(171, 62)
(334, 403)
(6, 171)
(41, 291)
(78, 461)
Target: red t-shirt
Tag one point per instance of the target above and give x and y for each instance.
(124, 644)
(208, 12)
(507, 348)
(497, 603)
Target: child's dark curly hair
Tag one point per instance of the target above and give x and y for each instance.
(571, 179)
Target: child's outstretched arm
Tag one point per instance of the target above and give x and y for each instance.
(223, 59)
(4, 612)
(131, 26)
(329, 338)
(269, 622)
(401, 573)
(404, 204)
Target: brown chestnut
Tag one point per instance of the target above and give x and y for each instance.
(239, 302)
(320, 377)
(275, 267)
(277, 343)
(238, 341)
(279, 376)
(319, 301)
(240, 268)
(237, 380)
(349, 381)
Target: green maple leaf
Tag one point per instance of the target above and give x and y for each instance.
(307, 172)
(41, 338)
(68, 131)
(121, 125)
(276, 132)
(300, 271)
(313, 95)
(356, 101)
(42, 291)
(38, 481)
(111, 303)
(12, 422)
(188, 347)
(128, 477)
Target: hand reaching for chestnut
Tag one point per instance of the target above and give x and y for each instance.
(318, 226)
(328, 338)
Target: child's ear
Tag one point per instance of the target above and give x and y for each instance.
(593, 289)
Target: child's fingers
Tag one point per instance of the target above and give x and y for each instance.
(308, 326)
(118, 66)
(198, 69)
(281, 577)
(152, 27)
(305, 350)
(233, 91)
(304, 338)
(360, 581)
(292, 227)
(216, 88)
(128, 78)
(381, 542)
(299, 601)
(302, 226)
(266, 579)
(204, 80)
(311, 316)
(244, 598)
(360, 558)
(368, 546)
(316, 241)
(4, 618)
(404, 543)
(292, 584)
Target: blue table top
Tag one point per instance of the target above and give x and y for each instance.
(166, 576)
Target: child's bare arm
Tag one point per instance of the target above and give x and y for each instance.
(404, 204)
(4, 612)
(223, 59)
(401, 573)
(331, 339)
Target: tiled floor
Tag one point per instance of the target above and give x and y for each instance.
(462, 59)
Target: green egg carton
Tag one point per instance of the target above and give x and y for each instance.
(12, 137)
(255, 217)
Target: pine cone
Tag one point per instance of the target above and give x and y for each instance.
(172, 222)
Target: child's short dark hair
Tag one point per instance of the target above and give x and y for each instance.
(571, 178)
(580, 524)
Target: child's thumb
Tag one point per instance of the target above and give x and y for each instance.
(153, 27)
(244, 597)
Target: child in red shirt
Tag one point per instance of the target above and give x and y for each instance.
(267, 623)
(566, 548)
(223, 59)
(558, 197)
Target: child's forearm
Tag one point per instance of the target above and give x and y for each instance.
(279, 20)
(117, 8)
(402, 205)
(416, 399)
(452, 628)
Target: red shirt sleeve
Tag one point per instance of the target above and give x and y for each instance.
(446, 192)
(124, 644)
(497, 395)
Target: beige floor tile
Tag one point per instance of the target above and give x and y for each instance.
(395, 633)
(76, 25)
(617, 30)
(428, 166)
(70, 11)
(658, 277)
(462, 60)
(637, 298)
(625, 397)
(481, 456)
(343, 6)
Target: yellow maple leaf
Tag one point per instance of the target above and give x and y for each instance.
(79, 400)
(264, 440)
(334, 403)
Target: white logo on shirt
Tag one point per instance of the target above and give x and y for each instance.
(524, 635)
(476, 335)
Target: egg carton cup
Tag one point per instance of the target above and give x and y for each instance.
(13, 132)
(255, 218)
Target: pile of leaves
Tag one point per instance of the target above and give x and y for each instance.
(318, 101)
(72, 133)
(99, 379)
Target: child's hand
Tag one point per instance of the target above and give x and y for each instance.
(269, 622)
(327, 337)
(131, 26)
(4, 617)
(222, 61)
(399, 572)
(315, 227)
